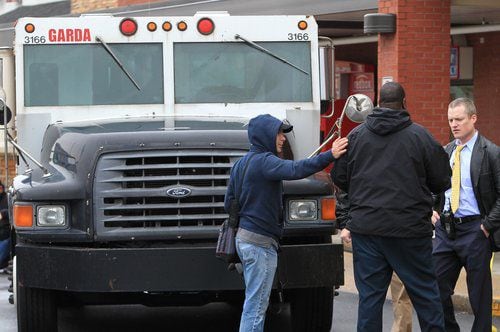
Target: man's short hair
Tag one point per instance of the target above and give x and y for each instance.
(468, 104)
(392, 95)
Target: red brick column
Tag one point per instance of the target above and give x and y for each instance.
(487, 83)
(418, 57)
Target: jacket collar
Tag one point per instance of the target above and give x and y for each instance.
(476, 159)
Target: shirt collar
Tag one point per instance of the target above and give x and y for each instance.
(470, 143)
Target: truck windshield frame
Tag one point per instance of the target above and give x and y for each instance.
(84, 74)
(232, 72)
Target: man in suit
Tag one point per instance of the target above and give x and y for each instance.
(468, 229)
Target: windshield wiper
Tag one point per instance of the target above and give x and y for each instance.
(106, 47)
(264, 50)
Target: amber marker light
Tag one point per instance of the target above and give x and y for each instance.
(23, 215)
(205, 26)
(29, 28)
(182, 26)
(128, 26)
(167, 26)
(152, 26)
(302, 25)
(328, 206)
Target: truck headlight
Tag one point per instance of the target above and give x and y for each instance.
(51, 215)
(302, 210)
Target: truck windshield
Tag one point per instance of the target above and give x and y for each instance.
(68, 75)
(236, 73)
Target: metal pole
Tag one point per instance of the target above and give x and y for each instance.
(6, 157)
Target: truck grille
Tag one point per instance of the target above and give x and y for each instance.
(135, 192)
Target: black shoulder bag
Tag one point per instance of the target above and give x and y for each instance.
(226, 245)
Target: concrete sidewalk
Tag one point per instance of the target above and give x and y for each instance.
(461, 297)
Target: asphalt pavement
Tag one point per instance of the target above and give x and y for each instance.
(215, 317)
(460, 298)
(212, 317)
(8, 321)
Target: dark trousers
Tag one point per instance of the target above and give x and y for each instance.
(375, 258)
(471, 250)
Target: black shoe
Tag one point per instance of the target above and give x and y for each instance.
(4, 264)
(11, 299)
(10, 290)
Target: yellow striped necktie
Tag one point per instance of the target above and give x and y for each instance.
(455, 180)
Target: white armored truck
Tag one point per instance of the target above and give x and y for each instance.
(136, 123)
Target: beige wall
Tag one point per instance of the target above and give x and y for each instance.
(81, 6)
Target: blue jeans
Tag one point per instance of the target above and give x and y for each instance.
(4, 250)
(259, 265)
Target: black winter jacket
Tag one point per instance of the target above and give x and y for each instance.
(485, 177)
(391, 167)
(342, 208)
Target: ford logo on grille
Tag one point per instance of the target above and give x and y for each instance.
(178, 192)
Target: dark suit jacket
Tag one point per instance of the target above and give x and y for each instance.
(485, 177)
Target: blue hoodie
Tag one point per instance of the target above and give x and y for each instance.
(260, 196)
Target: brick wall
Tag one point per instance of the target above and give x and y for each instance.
(81, 6)
(418, 57)
(134, 2)
(12, 168)
(487, 83)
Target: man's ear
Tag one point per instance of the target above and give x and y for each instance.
(404, 103)
(473, 118)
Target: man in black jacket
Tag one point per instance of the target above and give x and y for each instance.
(390, 169)
(469, 229)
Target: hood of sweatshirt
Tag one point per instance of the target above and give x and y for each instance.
(385, 121)
(262, 132)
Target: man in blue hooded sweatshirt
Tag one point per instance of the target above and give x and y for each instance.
(260, 201)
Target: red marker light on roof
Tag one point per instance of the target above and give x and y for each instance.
(152, 26)
(128, 26)
(182, 26)
(167, 26)
(205, 26)
(29, 28)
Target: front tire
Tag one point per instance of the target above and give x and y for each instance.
(312, 309)
(36, 310)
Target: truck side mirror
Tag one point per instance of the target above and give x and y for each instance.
(7, 109)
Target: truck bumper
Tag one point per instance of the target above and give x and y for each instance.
(179, 269)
